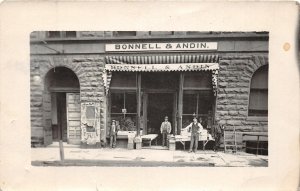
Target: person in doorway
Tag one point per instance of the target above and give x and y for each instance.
(165, 130)
(195, 128)
(113, 133)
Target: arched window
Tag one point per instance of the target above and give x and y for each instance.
(258, 101)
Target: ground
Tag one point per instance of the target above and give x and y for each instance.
(76, 156)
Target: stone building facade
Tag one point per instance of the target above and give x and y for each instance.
(69, 70)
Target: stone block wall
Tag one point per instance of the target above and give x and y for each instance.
(88, 69)
(234, 80)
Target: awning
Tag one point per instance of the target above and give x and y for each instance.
(163, 59)
(162, 67)
(161, 63)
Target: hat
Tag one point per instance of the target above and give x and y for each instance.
(194, 115)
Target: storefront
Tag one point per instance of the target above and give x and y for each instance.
(177, 86)
(137, 81)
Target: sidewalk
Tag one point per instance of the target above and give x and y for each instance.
(76, 156)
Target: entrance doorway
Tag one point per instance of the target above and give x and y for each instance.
(159, 106)
(60, 128)
(61, 106)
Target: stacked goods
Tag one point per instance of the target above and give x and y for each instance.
(127, 124)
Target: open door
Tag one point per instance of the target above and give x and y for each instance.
(73, 118)
(47, 118)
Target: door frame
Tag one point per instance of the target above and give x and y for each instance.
(63, 90)
(145, 101)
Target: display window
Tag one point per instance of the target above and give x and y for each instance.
(197, 103)
(124, 110)
(198, 99)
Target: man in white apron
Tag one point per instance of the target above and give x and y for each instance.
(165, 130)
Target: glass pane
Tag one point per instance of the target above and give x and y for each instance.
(53, 34)
(70, 34)
(205, 104)
(203, 120)
(260, 78)
(158, 33)
(130, 102)
(186, 120)
(197, 80)
(189, 103)
(117, 102)
(124, 33)
(253, 112)
(258, 100)
(123, 79)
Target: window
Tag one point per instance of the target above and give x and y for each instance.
(123, 80)
(258, 100)
(197, 97)
(197, 103)
(124, 110)
(124, 33)
(161, 33)
(61, 34)
(197, 81)
(70, 34)
(123, 103)
(54, 34)
(200, 33)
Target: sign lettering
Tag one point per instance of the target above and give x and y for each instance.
(125, 47)
(162, 67)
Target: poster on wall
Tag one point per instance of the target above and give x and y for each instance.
(90, 123)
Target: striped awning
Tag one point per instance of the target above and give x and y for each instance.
(159, 63)
(163, 59)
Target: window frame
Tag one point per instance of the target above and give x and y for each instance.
(62, 35)
(113, 115)
(205, 116)
(258, 117)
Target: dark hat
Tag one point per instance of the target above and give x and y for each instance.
(194, 115)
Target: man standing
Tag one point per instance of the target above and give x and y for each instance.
(195, 128)
(113, 133)
(165, 130)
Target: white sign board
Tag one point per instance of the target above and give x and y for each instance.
(162, 67)
(133, 47)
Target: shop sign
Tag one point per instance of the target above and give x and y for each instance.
(179, 46)
(162, 67)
